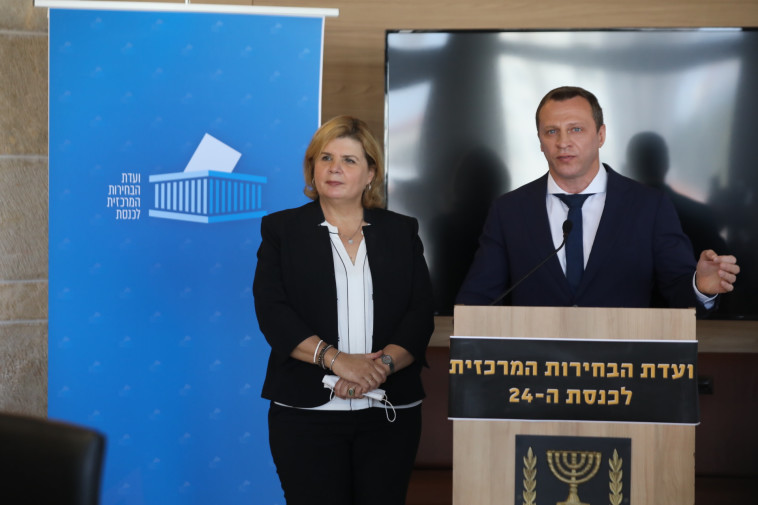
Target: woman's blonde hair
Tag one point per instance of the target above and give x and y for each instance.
(356, 129)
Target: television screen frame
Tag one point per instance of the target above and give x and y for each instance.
(460, 130)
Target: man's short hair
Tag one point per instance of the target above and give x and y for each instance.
(567, 93)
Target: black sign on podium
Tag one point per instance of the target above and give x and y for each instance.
(573, 380)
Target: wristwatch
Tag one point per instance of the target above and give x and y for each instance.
(387, 360)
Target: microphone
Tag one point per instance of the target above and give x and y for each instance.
(567, 226)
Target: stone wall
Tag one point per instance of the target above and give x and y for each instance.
(23, 208)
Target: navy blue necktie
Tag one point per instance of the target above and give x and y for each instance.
(574, 248)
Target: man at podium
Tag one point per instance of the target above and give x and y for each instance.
(584, 235)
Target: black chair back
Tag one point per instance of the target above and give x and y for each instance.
(49, 462)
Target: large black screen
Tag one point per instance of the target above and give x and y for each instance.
(680, 111)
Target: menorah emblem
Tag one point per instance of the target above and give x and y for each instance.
(573, 468)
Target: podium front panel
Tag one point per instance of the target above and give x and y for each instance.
(485, 466)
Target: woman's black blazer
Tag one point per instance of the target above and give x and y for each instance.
(296, 297)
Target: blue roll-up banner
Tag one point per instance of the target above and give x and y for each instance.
(171, 134)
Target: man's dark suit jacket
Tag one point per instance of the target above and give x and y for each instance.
(639, 247)
(296, 297)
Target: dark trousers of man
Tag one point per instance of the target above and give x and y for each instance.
(344, 458)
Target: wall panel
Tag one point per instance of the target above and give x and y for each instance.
(354, 42)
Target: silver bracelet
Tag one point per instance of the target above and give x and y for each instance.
(315, 353)
(331, 365)
(321, 356)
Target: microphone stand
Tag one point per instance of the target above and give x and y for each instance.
(567, 226)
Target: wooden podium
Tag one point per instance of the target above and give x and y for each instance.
(663, 455)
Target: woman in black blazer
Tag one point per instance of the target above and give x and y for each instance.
(343, 297)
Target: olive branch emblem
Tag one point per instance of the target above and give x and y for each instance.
(616, 474)
(530, 478)
(615, 483)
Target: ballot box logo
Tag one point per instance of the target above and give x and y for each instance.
(572, 470)
(208, 190)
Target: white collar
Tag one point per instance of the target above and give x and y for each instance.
(599, 183)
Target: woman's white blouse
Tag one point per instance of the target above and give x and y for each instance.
(355, 314)
(355, 309)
